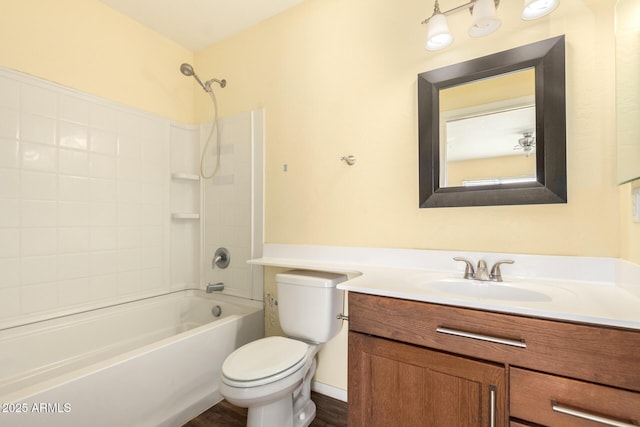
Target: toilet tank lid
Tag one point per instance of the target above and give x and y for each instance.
(321, 279)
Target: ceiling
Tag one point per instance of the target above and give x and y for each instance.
(195, 24)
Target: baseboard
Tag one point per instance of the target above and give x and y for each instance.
(328, 390)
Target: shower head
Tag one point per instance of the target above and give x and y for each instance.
(188, 71)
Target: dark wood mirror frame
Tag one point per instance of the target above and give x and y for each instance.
(547, 57)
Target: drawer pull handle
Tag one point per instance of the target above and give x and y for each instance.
(514, 343)
(587, 416)
(492, 399)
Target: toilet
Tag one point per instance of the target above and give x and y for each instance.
(272, 376)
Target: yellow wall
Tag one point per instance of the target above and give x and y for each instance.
(85, 45)
(339, 77)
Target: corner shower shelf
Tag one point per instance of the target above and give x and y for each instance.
(185, 215)
(185, 176)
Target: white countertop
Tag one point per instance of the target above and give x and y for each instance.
(610, 297)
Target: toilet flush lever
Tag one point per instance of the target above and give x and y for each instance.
(342, 317)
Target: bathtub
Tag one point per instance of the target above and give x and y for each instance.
(151, 362)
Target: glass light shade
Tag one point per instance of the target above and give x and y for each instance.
(485, 20)
(438, 35)
(534, 9)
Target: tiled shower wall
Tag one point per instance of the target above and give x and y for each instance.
(84, 199)
(232, 201)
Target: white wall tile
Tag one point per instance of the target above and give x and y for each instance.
(38, 100)
(73, 239)
(72, 266)
(103, 263)
(9, 213)
(9, 93)
(38, 269)
(130, 214)
(39, 297)
(38, 213)
(103, 190)
(103, 238)
(35, 128)
(10, 302)
(103, 117)
(73, 214)
(151, 236)
(38, 185)
(151, 258)
(130, 237)
(129, 169)
(9, 153)
(38, 241)
(129, 282)
(73, 135)
(8, 123)
(129, 147)
(130, 192)
(103, 142)
(9, 272)
(103, 286)
(9, 242)
(103, 214)
(105, 167)
(84, 192)
(129, 259)
(73, 109)
(73, 188)
(74, 292)
(9, 183)
(72, 162)
(38, 157)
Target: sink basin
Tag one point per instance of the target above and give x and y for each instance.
(504, 291)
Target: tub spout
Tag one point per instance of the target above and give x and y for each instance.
(215, 287)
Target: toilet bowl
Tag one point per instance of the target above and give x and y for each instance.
(272, 376)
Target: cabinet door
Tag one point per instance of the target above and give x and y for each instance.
(396, 384)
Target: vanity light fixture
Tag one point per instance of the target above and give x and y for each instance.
(484, 19)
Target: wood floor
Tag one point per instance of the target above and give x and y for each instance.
(329, 413)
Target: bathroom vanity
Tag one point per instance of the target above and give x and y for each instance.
(555, 344)
(415, 363)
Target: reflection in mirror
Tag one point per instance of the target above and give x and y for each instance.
(628, 89)
(488, 131)
(465, 109)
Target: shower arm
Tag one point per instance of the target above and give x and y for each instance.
(208, 83)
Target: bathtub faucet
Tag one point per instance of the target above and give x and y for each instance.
(215, 287)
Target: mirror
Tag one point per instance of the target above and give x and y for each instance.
(492, 130)
(628, 89)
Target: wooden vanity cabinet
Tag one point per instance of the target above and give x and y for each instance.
(420, 364)
(395, 386)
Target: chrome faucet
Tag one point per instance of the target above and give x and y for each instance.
(482, 272)
(215, 287)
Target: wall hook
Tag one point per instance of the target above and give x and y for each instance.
(350, 159)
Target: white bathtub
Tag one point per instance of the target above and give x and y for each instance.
(152, 362)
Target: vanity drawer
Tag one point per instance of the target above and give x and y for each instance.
(592, 353)
(556, 401)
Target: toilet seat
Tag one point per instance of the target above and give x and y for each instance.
(264, 361)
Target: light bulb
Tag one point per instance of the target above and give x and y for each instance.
(438, 35)
(534, 9)
(485, 20)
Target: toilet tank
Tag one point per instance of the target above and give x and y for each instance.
(309, 303)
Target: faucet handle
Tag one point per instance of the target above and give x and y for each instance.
(469, 272)
(496, 274)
